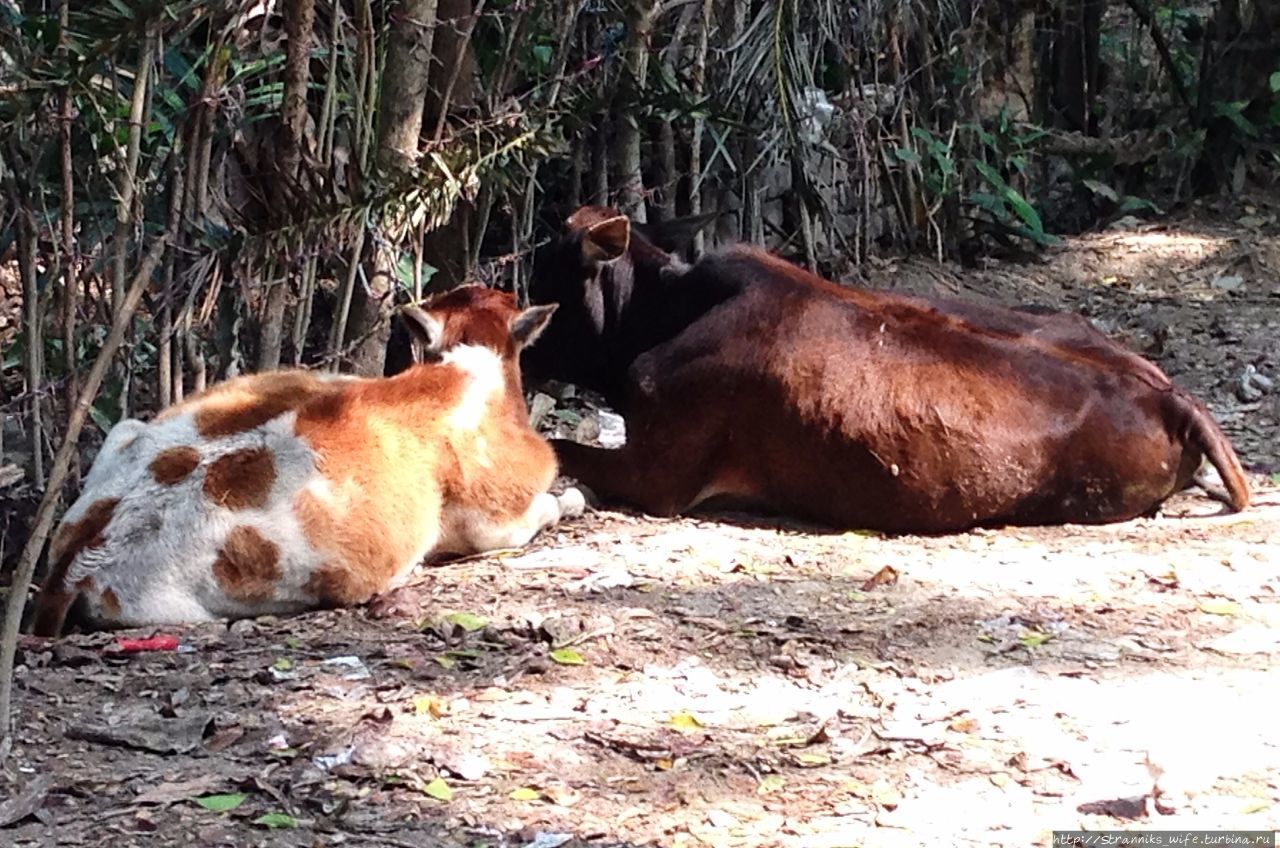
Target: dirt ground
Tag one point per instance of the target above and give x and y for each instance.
(729, 681)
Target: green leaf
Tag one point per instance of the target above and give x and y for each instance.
(1024, 210)
(567, 656)
(1275, 479)
(1034, 638)
(906, 154)
(1234, 112)
(1133, 204)
(438, 789)
(1275, 83)
(1041, 238)
(276, 820)
(446, 662)
(1102, 189)
(282, 664)
(992, 176)
(221, 803)
(102, 419)
(524, 793)
(542, 54)
(990, 203)
(467, 621)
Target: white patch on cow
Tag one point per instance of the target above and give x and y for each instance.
(485, 381)
(116, 450)
(471, 530)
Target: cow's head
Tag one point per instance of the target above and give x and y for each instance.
(599, 269)
(475, 315)
(571, 268)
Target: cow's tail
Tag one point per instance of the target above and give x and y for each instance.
(1202, 434)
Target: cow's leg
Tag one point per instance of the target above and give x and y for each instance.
(662, 469)
(483, 532)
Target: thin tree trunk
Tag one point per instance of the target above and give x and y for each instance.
(129, 176)
(446, 247)
(699, 125)
(164, 348)
(326, 126)
(299, 22)
(70, 284)
(522, 234)
(667, 187)
(32, 326)
(405, 78)
(635, 70)
(460, 55)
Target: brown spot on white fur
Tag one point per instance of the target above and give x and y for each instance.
(248, 565)
(241, 405)
(173, 465)
(110, 604)
(71, 539)
(241, 480)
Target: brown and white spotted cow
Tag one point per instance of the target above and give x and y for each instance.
(744, 378)
(285, 491)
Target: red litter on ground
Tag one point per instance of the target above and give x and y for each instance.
(155, 643)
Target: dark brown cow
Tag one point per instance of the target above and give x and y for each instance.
(746, 377)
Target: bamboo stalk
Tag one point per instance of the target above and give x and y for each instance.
(339, 329)
(327, 130)
(70, 285)
(463, 43)
(129, 176)
(33, 328)
(164, 347)
(699, 125)
(523, 233)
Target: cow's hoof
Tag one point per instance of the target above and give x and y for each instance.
(572, 502)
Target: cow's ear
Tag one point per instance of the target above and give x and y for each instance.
(426, 332)
(529, 324)
(607, 240)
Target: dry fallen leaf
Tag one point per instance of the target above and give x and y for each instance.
(26, 802)
(886, 576)
(172, 793)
